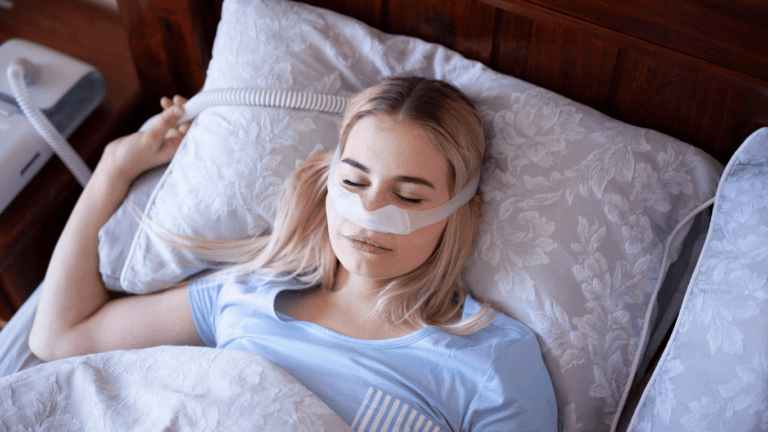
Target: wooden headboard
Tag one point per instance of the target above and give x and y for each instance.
(694, 69)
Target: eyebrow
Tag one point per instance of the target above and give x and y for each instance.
(402, 179)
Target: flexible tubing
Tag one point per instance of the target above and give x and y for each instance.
(263, 97)
(44, 127)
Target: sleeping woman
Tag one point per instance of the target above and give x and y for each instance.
(355, 292)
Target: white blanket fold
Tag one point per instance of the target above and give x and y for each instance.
(162, 389)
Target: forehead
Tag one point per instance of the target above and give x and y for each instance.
(389, 147)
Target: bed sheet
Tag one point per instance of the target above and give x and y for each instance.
(15, 354)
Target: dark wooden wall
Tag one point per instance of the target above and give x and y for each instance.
(171, 42)
(694, 69)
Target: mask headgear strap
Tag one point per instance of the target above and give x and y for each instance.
(392, 219)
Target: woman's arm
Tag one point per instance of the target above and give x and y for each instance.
(75, 315)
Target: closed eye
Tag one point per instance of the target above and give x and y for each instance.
(410, 200)
(355, 185)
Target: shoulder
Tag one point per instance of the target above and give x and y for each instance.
(503, 329)
(516, 390)
(503, 342)
(512, 341)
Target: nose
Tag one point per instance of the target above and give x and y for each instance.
(373, 200)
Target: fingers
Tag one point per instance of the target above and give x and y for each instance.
(166, 127)
(167, 120)
(180, 101)
(177, 100)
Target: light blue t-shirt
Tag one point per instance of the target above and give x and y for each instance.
(491, 380)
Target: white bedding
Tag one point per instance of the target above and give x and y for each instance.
(15, 354)
(161, 389)
(713, 374)
(580, 208)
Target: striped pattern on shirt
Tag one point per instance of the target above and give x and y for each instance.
(381, 412)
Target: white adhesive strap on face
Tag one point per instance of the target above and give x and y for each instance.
(391, 219)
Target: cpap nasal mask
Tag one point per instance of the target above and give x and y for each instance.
(391, 219)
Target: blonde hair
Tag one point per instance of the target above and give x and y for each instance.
(299, 245)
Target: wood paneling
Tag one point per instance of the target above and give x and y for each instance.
(649, 94)
(707, 107)
(369, 12)
(171, 43)
(556, 58)
(719, 37)
(759, 117)
(713, 31)
(464, 26)
(6, 311)
(512, 50)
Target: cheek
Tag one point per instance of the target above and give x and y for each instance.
(419, 245)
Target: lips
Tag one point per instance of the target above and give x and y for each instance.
(365, 244)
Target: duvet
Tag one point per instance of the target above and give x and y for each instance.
(161, 389)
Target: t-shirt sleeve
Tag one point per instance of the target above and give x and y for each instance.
(517, 394)
(203, 300)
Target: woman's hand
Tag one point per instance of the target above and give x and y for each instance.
(129, 156)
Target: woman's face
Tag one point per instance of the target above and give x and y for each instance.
(388, 162)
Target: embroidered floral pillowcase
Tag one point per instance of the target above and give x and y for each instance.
(579, 210)
(579, 206)
(713, 375)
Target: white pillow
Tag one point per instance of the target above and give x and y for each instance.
(713, 375)
(116, 236)
(579, 206)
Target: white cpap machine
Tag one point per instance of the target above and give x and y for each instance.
(62, 89)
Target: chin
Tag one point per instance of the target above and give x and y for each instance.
(376, 268)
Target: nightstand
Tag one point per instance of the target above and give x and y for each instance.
(32, 223)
